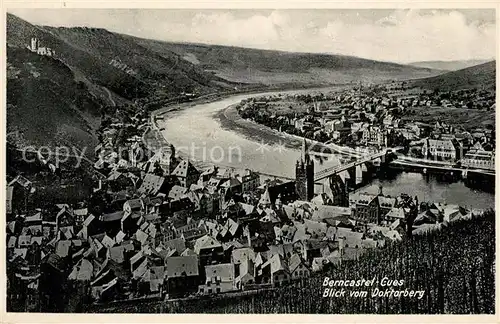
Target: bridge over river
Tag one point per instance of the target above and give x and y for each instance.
(328, 172)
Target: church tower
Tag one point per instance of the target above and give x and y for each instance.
(173, 162)
(304, 175)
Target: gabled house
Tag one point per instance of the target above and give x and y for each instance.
(177, 244)
(386, 204)
(209, 249)
(186, 173)
(166, 160)
(105, 286)
(112, 222)
(245, 273)
(249, 181)
(65, 217)
(395, 214)
(138, 264)
(133, 205)
(177, 192)
(90, 226)
(219, 279)
(278, 269)
(233, 186)
(18, 193)
(449, 150)
(153, 184)
(298, 267)
(82, 271)
(182, 275)
(155, 277)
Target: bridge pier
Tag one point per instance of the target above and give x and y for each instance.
(352, 177)
(322, 186)
(335, 187)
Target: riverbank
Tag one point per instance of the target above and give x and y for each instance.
(200, 127)
(213, 97)
(231, 120)
(185, 132)
(155, 141)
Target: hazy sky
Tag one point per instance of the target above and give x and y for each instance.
(389, 35)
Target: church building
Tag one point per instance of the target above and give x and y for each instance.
(304, 175)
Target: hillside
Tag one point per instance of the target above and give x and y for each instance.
(480, 76)
(134, 68)
(60, 99)
(46, 106)
(275, 67)
(116, 62)
(448, 65)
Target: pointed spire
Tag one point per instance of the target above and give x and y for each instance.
(304, 152)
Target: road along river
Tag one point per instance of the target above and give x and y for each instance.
(212, 133)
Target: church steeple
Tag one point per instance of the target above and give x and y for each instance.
(305, 153)
(304, 175)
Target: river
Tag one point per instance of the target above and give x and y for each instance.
(205, 133)
(431, 188)
(199, 132)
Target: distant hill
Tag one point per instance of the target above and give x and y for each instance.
(448, 65)
(62, 98)
(116, 62)
(480, 76)
(274, 67)
(133, 68)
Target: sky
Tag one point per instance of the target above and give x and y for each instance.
(399, 35)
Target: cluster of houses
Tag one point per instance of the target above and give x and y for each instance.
(473, 98)
(341, 122)
(161, 227)
(474, 149)
(187, 232)
(163, 242)
(358, 120)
